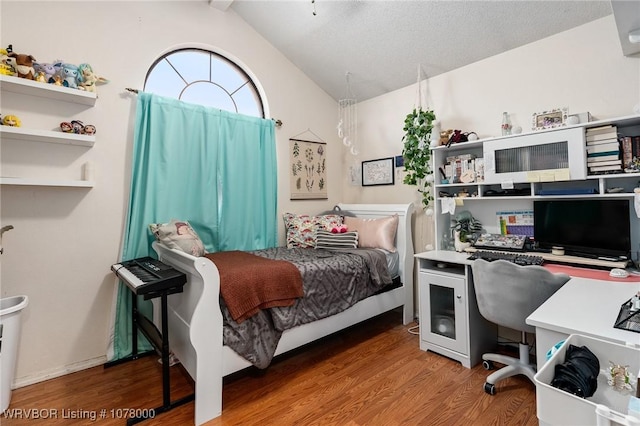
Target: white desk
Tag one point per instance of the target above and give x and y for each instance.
(582, 306)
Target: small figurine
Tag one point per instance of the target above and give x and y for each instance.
(620, 378)
(77, 126)
(11, 120)
(40, 77)
(7, 64)
(57, 80)
(89, 129)
(66, 127)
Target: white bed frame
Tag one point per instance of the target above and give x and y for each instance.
(195, 320)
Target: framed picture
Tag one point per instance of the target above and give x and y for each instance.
(550, 119)
(378, 172)
(307, 170)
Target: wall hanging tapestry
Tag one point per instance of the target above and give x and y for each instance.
(307, 173)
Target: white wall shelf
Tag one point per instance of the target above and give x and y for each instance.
(46, 182)
(45, 90)
(48, 136)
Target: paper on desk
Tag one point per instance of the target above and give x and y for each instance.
(448, 205)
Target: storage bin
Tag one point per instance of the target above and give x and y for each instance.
(557, 407)
(10, 310)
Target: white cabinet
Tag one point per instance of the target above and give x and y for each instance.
(54, 94)
(525, 158)
(450, 323)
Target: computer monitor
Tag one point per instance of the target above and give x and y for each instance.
(590, 228)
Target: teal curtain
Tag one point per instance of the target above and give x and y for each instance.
(213, 168)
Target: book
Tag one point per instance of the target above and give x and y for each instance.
(598, 158)
(605, 168)
(605, 147)
(601, 141)
(604, 163)
(635, 148)
(627, 150)
(602, 129)
(615, 152)
(601, 136)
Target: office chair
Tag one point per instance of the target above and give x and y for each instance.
(507, 294)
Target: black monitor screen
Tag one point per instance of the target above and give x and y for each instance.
(583, 227)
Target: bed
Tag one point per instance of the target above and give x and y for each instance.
(195, 319)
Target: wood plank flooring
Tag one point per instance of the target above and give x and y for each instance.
(370, 374)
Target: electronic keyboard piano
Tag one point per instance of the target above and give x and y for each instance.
(148, 276)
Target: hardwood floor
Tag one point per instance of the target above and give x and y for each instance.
(371, 374)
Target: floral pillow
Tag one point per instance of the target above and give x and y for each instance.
(301, 229)
(178, 234)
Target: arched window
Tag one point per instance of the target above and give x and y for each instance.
(206, 78)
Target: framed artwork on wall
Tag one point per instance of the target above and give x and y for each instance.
(307, 170)
(378, 172)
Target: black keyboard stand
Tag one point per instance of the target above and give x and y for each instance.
(160, 342)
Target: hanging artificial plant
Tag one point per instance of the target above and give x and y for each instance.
(416, 153)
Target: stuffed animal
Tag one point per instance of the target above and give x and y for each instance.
(87, 79)
(444, 136)
(7, 64)
(11, 120)
(48, 69)
(69, 74)
(24, 65)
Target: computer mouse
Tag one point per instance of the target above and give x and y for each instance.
(618, 273)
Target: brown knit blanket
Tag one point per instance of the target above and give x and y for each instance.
(249, 283)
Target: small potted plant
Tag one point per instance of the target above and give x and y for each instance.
(465, 229)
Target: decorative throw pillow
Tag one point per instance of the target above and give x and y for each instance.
(375, 233)
(328, 240)
(301, 229)
(178, 234)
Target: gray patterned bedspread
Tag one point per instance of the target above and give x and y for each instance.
(333, 281)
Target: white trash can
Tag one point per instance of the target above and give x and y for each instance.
(10, 309)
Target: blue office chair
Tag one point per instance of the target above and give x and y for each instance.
(507, 294)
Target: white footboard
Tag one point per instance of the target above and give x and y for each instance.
(195, 328)
(195, 319)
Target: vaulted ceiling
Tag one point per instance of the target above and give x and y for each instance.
(381, 44)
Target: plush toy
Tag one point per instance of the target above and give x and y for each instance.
(7, 64)
(24, 65)
(49, 71)
(339, 229)
(87, 79)
(11, 120)
(69, 74)
(444, 136)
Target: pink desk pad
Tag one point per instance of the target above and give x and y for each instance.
(595, 274)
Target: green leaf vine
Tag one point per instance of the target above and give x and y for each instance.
(416, 153)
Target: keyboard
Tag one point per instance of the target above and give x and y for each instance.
(146, 275)
(517, 258)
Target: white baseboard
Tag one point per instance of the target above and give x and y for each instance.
(58, 372)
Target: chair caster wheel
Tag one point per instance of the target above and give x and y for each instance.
(490, 388)
(488, 365)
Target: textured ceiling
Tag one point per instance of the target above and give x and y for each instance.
(382, 43)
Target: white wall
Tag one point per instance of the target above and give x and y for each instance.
(582, 69)
(65, 239)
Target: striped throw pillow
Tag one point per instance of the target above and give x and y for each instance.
(329, 240)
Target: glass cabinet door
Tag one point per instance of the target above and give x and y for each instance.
(443, 311)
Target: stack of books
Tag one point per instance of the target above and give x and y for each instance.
(603, 150)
